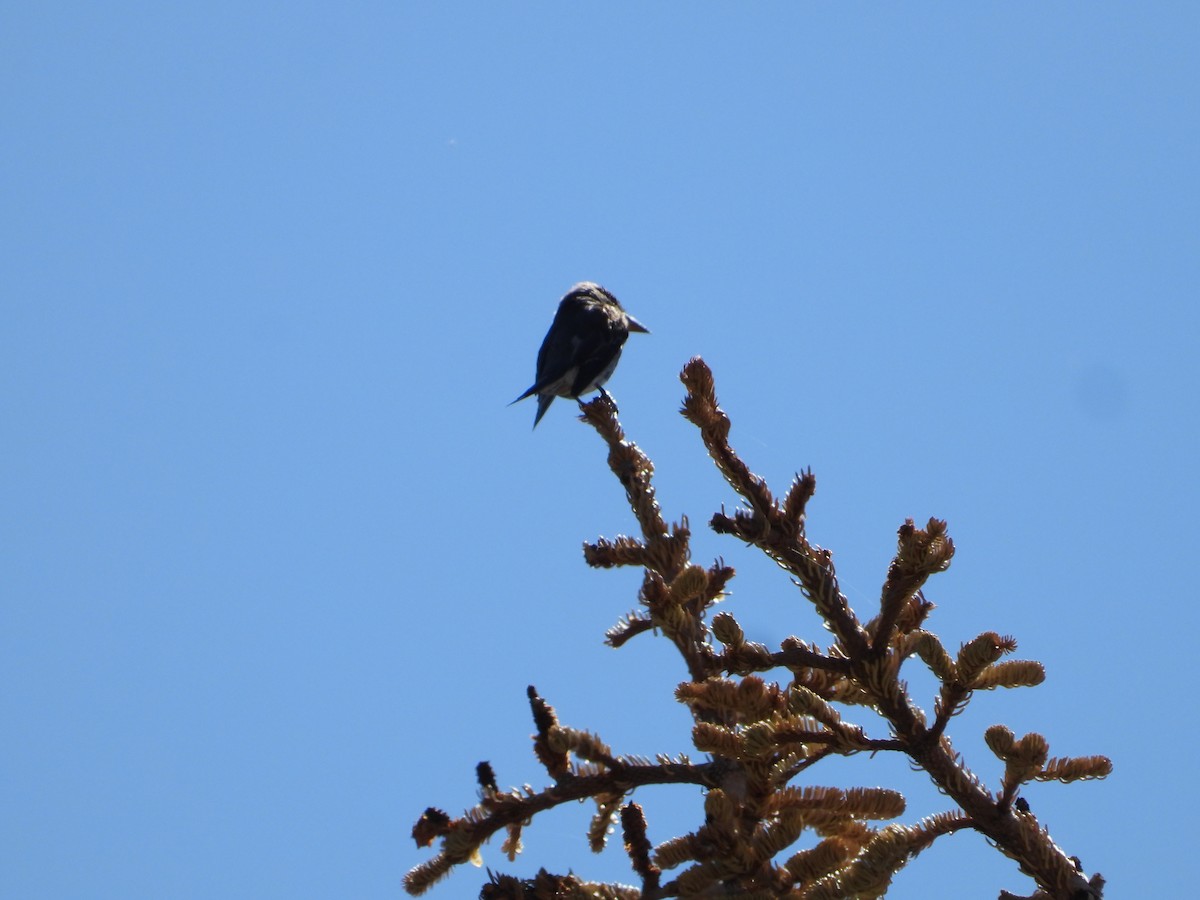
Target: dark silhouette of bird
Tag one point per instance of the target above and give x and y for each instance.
(582, 347)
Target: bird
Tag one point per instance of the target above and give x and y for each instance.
(582, 347)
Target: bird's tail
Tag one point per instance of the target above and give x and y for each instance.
(532, 390)
(544, 401)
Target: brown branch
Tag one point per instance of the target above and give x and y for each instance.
(763, 734)
(676, 592)
(666, 553)
(950, 703)
(701, 409)
(545, 719)
(765, 525)
(470, 832)
(637, 845)
(800, 657)
(921, 554)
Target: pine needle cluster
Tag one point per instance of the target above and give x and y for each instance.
(758, 734)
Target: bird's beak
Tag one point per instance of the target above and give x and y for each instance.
(635, 325)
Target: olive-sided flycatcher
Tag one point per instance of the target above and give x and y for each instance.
(582, 347)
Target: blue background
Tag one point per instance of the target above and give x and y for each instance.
(278, 562)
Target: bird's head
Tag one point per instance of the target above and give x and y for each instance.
(588, 293)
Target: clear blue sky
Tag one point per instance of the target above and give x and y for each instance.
(278, 562)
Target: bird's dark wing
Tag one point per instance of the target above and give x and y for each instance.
(581, 337)
(599, 339)
(557, 355)
(557, 352)
(559, 348)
